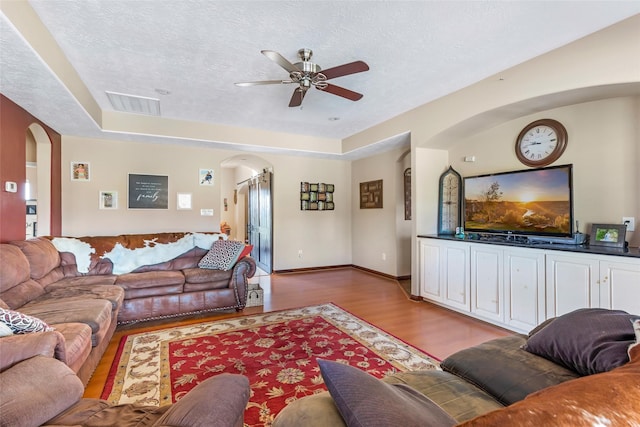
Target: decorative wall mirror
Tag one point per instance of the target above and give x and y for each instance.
(449, 202)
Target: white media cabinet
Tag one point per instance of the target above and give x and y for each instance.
(518, 286)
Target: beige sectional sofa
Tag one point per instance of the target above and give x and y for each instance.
(83, 298)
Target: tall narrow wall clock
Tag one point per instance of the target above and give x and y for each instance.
(449, 202)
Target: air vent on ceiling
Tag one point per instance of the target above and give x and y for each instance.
(134, 104)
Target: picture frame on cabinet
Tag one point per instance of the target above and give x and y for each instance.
(611, 235)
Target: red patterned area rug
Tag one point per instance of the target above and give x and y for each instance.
(277, 351)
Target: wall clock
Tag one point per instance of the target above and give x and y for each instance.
(449, 202)
(541, 142)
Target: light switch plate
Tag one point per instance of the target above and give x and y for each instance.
(10, 187)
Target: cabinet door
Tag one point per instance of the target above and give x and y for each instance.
(572, 283)
(524, 288)
(455, 275)
(620, 285)
(486, 282)
(429, 265)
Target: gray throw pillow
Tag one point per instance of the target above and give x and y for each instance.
(365, 401)
(587, 341)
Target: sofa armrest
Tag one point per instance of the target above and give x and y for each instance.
(219, 401)
(36, 390)
(19, 347)
(245, 268)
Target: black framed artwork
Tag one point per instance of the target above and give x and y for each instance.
(148, 191)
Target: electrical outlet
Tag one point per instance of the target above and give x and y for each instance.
(299, 253)
(630, 221)
(384, 256)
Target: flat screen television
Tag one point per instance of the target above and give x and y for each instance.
(528, 202)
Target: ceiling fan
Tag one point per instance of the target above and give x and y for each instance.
(307, 74)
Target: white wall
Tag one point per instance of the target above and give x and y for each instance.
(378, 237)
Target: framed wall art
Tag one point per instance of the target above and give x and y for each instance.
(184, 201)
(80, 171)
(612, 235)
(371, 194)
(108, 200)
(205, 176)
(316, 197)
(148, 191)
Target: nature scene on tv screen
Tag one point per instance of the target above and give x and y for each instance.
(531, 202)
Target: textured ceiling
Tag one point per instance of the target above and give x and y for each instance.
(417, 51)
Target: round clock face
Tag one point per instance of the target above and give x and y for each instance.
(541, 143)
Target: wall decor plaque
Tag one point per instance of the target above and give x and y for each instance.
(148, 191)
(371, 194)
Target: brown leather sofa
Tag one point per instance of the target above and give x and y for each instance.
(52, 396)
(85, 307)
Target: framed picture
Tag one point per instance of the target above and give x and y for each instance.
(108, 200)
(80, 171)
(316, 196)
(612, 235)
(205, 176)
(371, 194)
(32, 210)
(148, 191)
(184, 201)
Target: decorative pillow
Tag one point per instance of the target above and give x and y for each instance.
(365, 401)
(21, 323)
(223, 255)
(610, 398)
(588, 340)
(5, 331)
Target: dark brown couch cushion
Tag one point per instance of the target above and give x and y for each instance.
(607, 399)
(504, 370)
(588, 340)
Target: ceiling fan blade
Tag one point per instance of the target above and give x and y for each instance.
(345, 69)
(297, 97)
(280, 60)
(264, 82)
(340, 91)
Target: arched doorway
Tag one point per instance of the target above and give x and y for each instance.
(246, 179)
(39, 178)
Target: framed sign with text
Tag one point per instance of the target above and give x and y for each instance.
(148, 191)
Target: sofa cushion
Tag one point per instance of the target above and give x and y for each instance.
(365, 401)
(223, 255)
(77, 343)
(459, 398)
(42, 255)
(16, 286)
(504, 370)
(111, 293)
(21, 323)
(216, 278)
(607, 399)
(96, 313)
(24, 404)
(151, 283)
(588, 340)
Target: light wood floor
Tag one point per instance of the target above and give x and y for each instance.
(378, 300)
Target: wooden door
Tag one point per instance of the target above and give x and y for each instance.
(259, 225)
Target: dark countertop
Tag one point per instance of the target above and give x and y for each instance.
(522, 242)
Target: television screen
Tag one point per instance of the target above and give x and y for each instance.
(531, 202)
